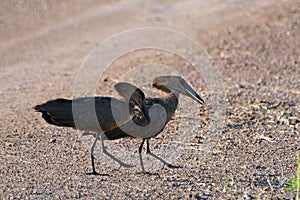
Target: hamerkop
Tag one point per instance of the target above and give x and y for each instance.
(97, 114)
(161, 111)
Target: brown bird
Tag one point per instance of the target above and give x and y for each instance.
(161, 111)
(97, 114)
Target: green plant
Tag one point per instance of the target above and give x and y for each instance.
(295, 182)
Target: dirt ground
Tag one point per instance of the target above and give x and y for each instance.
(255, 46)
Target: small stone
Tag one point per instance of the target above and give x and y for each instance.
(294, 120)
(52, 140)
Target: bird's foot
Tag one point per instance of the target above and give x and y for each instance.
(173, 166)
(122, 164)
(94, 173)
(143, 172)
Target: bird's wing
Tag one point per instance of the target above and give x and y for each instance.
(129, 91)
(99, 112)
(138, 127)
(112, 112)
(85, 113)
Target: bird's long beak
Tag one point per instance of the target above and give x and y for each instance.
(145, 111)
(193, 94)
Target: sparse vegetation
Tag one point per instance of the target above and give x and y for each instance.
(294, 183)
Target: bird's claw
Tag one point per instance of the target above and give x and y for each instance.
(94, 173)
(173, 166)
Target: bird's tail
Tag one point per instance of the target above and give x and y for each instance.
(57, 112)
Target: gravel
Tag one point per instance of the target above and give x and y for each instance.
(253, 155)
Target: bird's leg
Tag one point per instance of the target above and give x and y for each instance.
(140, 154)
(92, 156)
(159, 158)
(114, 158)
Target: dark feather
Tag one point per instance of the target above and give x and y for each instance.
(57, 112)
(86, 113)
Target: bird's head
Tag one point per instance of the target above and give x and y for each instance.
(177, 85)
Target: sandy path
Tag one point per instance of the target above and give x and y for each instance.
(35, 51)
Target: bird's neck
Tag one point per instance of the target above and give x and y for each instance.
(171, 103)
